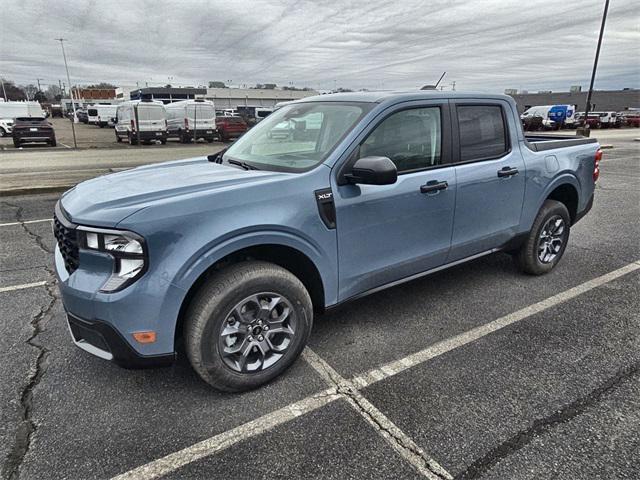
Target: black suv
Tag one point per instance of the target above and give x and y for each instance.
(33, 129)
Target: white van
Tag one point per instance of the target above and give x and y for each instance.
(11, 110)
(141, 121)
(191, 119)
(101, 115)
(262, 113)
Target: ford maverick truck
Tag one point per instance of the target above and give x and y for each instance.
(328, 199)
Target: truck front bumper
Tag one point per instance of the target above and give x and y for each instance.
(103, 324)
(104, 341)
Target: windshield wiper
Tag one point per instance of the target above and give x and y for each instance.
(244, 165)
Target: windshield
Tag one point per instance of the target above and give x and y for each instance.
(296, 137)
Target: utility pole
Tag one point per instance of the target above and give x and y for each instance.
(585, 128)
(38, 82)
(4, 92)
(73, 105)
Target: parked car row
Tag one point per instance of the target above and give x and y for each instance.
(555, 117)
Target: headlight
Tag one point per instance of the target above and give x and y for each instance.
(126, 248)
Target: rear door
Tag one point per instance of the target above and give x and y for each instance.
(490, 176)
(151, 118)
(387, 233)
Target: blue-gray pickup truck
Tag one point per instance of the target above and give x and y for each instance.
(330, 198)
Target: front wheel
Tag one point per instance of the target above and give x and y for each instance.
(2, 132)
(247, 325)
(547, 240)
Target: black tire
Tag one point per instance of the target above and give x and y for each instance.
(16, 143)
(53, 142)
(163, 141)
(2, 132)
(209, 140)
(211, 307)
(132, 139)
(118, 138)
(528, 256)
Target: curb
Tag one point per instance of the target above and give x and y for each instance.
(34, 190)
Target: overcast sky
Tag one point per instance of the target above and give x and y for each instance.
(483, 45)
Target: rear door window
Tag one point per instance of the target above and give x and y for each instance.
(150, 113)
(483, 134)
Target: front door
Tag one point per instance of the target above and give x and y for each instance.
(390, 232)
(490, 175)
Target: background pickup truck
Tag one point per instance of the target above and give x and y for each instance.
(230, 255)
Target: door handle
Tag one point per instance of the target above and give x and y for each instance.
(433, 186)
(507, 172)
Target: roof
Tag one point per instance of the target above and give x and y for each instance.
(258, 93)
(399, 96)
(169, 91)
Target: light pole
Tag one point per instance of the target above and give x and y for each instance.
(4, 92)
(585, 128)
(73, 105)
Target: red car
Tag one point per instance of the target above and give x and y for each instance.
(630, 119)
(230, 127)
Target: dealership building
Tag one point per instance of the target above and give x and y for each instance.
(602, 100)
(255, 97)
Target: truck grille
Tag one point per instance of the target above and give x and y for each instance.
(66, 236)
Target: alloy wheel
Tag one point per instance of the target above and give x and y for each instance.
(552, 237)
(257, 332)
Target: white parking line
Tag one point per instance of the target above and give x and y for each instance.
(229, 438)
(395, 437)
(23, 286)
(26, 222)
(173, 461)
(398, 366)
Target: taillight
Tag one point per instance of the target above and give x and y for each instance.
(596, 168)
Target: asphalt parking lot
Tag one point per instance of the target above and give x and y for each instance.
(473, 372)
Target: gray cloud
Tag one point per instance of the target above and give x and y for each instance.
(484, 45)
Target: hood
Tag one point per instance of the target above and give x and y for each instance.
(107, 200)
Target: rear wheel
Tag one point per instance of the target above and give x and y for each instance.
(132, 139)
(546, 241)
(247, 325)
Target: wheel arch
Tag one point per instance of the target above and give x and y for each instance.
(288, 257)
(567, 194)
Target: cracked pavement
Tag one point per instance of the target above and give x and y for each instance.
(556, 395)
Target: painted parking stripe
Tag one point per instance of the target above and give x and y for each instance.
(390, 432)
(173, 461)
(26, 222)
(398, 366)
(23, 286)
(229, 438)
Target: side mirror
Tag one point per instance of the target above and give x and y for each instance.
(373, 171)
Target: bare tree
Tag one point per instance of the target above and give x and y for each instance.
(30, 91)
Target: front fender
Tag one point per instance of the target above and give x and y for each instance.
(233, 242)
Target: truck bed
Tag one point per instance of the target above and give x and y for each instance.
(540, 143)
